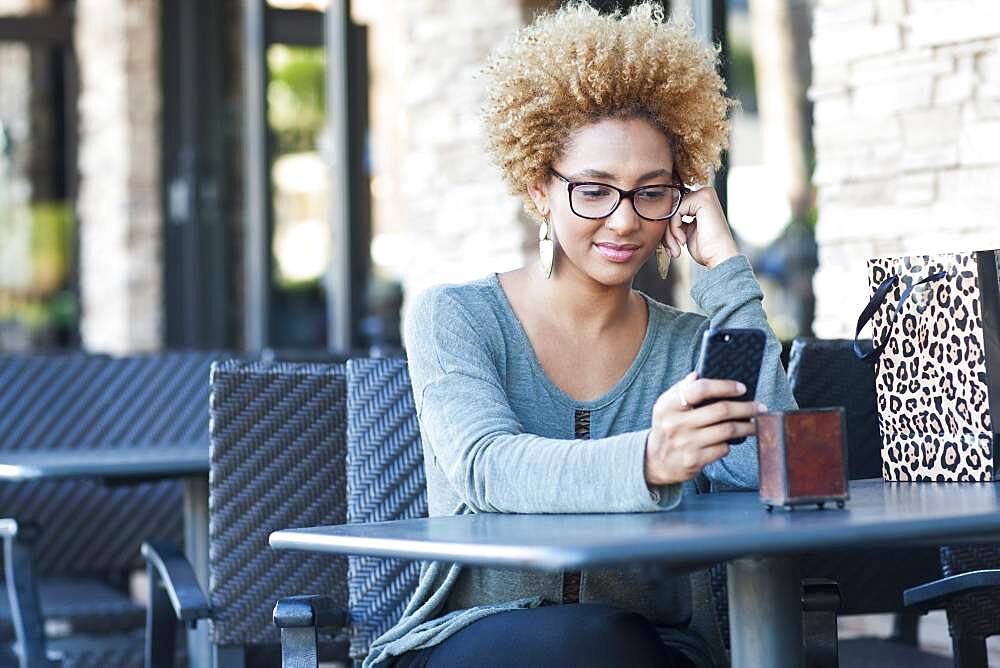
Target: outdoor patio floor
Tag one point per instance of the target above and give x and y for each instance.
(933, 636)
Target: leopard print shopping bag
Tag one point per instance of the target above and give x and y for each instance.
(936, 335)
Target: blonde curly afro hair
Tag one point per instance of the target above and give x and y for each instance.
(574, 66)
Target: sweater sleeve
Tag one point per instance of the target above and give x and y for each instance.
(470, 429)
(730, 296)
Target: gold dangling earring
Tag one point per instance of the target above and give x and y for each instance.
(662, 261)
(546, 249)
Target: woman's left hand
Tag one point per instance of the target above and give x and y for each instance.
(707, 237)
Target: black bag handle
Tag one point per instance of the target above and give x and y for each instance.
(876, 302)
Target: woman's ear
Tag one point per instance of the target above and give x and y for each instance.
(539, 194)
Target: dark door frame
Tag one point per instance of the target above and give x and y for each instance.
(196, 139)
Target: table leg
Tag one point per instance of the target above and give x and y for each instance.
(765, 612)
(196, 550)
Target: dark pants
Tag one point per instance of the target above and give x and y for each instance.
(556, 635)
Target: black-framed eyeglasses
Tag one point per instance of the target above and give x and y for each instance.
(595, 200)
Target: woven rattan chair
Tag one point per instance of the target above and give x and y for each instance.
(970, 593)
(70, 545)
(826, 373)
(277, 460)
(385, 481)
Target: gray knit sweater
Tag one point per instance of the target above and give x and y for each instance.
(499, 436)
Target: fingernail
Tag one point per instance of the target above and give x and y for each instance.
(741, 387)
(761, 408)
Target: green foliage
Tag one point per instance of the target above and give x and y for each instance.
(295, 96)
(48, 302)
(51, 244)
(742, 80)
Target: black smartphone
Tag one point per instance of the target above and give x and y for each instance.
(732, 354)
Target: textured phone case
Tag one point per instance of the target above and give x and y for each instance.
(738, 359)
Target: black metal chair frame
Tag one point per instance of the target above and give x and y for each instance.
(23, 592)
(174, 595)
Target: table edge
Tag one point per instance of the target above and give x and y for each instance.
(559, 558)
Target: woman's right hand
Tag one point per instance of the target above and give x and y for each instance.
(686, 436)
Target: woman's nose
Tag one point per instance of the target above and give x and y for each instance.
(624, 219)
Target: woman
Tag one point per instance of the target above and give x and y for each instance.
(556, 388)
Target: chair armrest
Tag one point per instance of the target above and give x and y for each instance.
(309, 611)
(820, 595)
(8, 528)
(172, 569)
(299, 618)
(933, 594)
(22, 592)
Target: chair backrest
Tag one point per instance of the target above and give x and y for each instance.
(385, 481)
(827, 373)
(277, 461)
(975, 613)
(91, 402)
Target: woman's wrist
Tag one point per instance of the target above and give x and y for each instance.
(654, 480)
(647, 472)
(727, 254)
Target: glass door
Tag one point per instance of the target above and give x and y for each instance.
(301, 244)
(306, 254)
(38, 294)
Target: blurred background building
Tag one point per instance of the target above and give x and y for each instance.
(248, 174)
(906, 98)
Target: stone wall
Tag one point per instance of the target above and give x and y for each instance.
(435, 185)
(118, 205)
(907, 133)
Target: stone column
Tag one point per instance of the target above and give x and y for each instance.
(118, 206)
(907, 134)
(448, 200)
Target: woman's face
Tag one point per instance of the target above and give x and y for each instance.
(626, 153)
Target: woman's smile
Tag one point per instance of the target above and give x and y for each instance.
(617, 252)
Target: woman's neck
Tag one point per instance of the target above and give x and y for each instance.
(579, 303)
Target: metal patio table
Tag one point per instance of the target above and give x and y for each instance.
(119, 466)
(761, 547)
